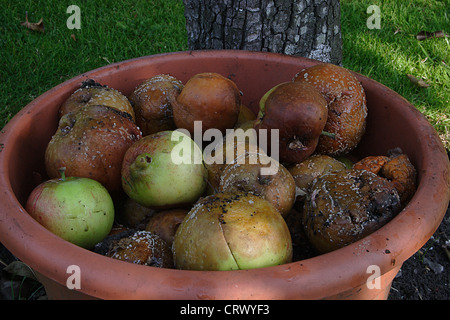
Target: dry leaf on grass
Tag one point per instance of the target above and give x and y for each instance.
(36, 26)
(418, 82)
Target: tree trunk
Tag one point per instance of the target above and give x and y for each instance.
(309, 28)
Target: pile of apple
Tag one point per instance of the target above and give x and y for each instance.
(127, 179)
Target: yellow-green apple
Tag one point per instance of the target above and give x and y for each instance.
(79, 210)
(230, 231)
(164, 169)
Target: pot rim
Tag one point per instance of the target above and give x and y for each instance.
(387, 248)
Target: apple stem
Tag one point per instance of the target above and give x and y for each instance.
(62, 171)
(329, 134)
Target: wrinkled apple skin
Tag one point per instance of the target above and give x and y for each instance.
(277, 188)
(299, 112)
(347, 106)
(152, 103)
(227, 231)
(79, 210)
(91, 143)
(97, 95)
(152, 178)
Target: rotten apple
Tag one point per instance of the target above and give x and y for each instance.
(346, 206)
(246, 175)
(299, 112)
(210, 98)
(152, 103)
(132, 214)
(236, 145)
(165, 223)
(137, 246)
(228, 231)
(91, 142)
(314, 167)
(92, 93)
(347, 109)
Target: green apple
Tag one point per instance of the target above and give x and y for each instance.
(164, 169)
(79, 210)
(231, 231)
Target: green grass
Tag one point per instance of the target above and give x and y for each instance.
(111, 31)
(390, 53)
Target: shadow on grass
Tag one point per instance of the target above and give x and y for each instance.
(375, 55)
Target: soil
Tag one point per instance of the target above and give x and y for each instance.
(426, 275)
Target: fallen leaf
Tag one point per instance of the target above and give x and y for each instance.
(20, 269)
(418, 82)
(422, 35)
(73, 37)
(36, 26)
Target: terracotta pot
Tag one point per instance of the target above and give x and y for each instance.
(341, 274)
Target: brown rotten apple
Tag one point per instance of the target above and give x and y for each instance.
(138, 247)
(299, 112)
(152, 103)
(347, 110)
(210, 98)
(92, 93)
(316, 166)
(235, 145)
(132, 214)
(91, 142)
(165, 223)
(277, 187)
(344, 207)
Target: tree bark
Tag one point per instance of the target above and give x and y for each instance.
(309, 28)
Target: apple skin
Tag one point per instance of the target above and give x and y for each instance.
(91, 143)
(152, 103)
(277, 188)
(165, 223)
(228, 231)
(299, 112)
(346, 104)
(79, 210)
(208, 97)
(91, 93)
(152, 178)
